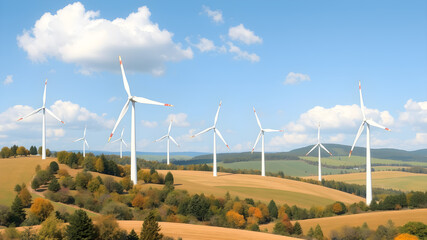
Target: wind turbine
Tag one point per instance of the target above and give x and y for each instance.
(169, 138)
(84, 142)
(368, 123)
(44, 110)
(133, 100)
(215, 132)
(121, 143)
(320, 146)
(261, 134)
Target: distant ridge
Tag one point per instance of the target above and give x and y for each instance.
(190, 154)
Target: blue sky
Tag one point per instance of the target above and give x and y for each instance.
(296, 62)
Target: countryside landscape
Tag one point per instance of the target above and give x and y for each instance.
(167, 120)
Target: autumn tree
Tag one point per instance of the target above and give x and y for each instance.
(235, 219)
(41, 208)
(99, 165)
(138, 201)
(126, 183)
(21, 151)
(5, 152)
(81, 227)
(338, 208)
(25, 197)
(108, 228)
(51, 228)
(150, 228)
(405, 236)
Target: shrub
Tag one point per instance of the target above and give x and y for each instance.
(118, 210)
(82, 179)
(53, 167)
(51, 228)
(109, 229)
(54, 185)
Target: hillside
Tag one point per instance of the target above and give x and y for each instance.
(403, 181)
(259, 188)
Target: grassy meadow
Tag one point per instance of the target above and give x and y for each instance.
(360, 161)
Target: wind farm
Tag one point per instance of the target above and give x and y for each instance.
(299, 70)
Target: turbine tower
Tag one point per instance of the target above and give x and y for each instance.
(121, 143)
(44, 110)
(368, 123)
(320, 146)
(84, 142)
(261, 135)
(169, 137)
(215, 132)
(133, 100)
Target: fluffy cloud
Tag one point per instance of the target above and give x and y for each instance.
(55, 132)
(291, 139)
(8, 80)
(149, 124)
(415, 114)
(239, 54)
(205, 45)
(112, 99)
(294, 78)
(179, 120)
(240, 33)
(74, 35)
(215, 15)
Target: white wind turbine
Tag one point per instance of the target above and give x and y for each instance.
(84, 142)
(169, 137)
(368, 123)
(320, 146)
(122, 141)
(215, 132)
(44, 110)
(261, 135)
(133, 100)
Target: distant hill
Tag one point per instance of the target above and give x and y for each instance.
(190, 154)
(246, 156)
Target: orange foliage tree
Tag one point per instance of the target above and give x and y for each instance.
(138, 201)
(41, 208)
(235, 219)
(405, 236)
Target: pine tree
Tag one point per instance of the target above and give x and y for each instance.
(169, 179)
(17, 188)
(132, 235)
(310, 232)
(150, 228)
(53, 167)
(18, 212)
(272, 209)
(81, 226)
(297, 229)
(318, 234)
(54, 185)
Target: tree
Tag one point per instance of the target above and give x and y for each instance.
(17, 211)
(33, 150)
(418, 229)
(235, 219)
(93, 184)
(81, 226)
(138, 201)
(169, 179)
(150, 228)
(82, 179)
(109, 229)
(17, 188)
(25, 197)
(53, 167)
(126, 183)
(35, 183)
(272, 209)
(132, 235)
(405, 236)
(310, 232)
(13, 150)
(54, 185)
(99, 165)
(318, 233)
(39, 151)
(51, 228)
(21, 151)
(41, 208)
(5, 152)
(338, 208)
(198, 206)
(297, 229)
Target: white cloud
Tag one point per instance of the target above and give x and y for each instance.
(336, 138)
(74, 35)
(8, 80)
(252, 57)
(149, 124)
(294, 78)
(415, 114)
(420, 139)
(291, 139)
(56, 132)
(240, 33)
(215, 15)
(205, 45)
(112, 99)
(179, 120)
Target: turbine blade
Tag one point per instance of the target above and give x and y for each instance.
(53, 115)
(312, 149)
(116, 140)
(325, 149)
(207, 129)
(372, 123)
(78, 139)
(173, 140)
(32, 113)
(362, 126)
(86, 144)
(123, 141)
(84, 133)
(256, 142)
(272, 130)
(220, 136)
(125, 81)
(160, 139)
(44, 93)
(170, 125)
(217, 113)
(122, 113)
(362, 106)
(121, 136)
(148, 101)
(257, 119)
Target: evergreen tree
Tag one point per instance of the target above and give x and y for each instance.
(310, 232)
(297, 229)
(54, 185)
(150, 228)
(169, 179)
(18, 212)
(17, 188)
(33, 150)
(132, 235)
(318, 233)
(53, 167)
(35, 183)
(272, 209)
(81, 226)
(13, 150)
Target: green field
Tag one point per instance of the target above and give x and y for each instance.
(294, 168)
(361, 161)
